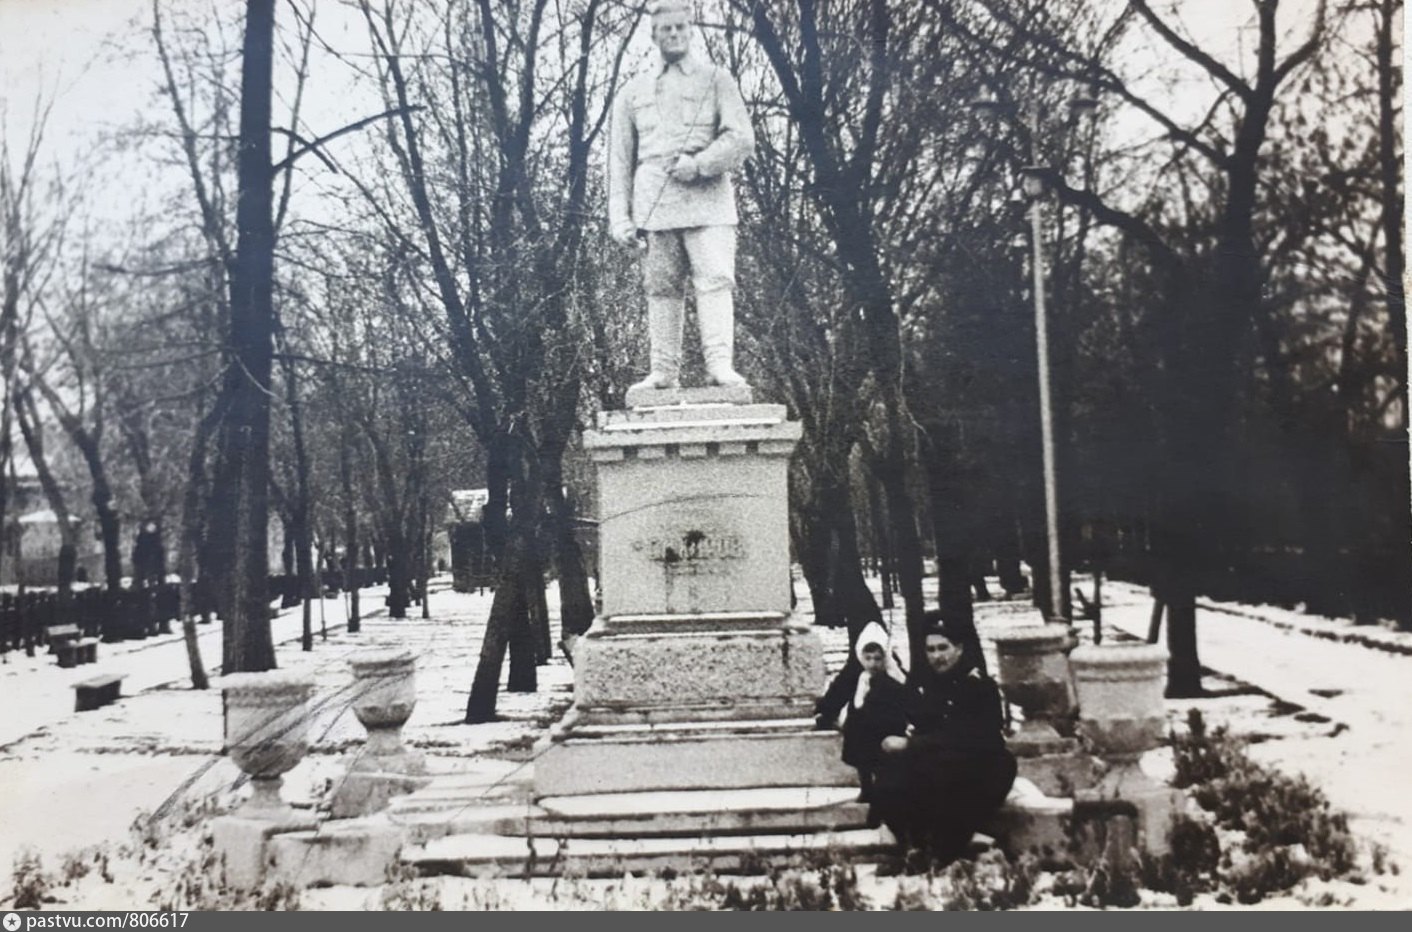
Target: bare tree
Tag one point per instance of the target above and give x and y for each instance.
(503, 239)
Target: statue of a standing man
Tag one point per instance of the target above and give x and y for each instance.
(677, 132)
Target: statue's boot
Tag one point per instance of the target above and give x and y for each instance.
(715, 313)
(664, 324)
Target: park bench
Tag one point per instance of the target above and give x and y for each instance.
(59, 635)
(73, 653)
(97, 692)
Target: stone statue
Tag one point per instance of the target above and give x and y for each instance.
(677, 132)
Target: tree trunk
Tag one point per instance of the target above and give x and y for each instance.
(187, 539)
(350, 529)
(485, 687)
(882, 542)
(813, 541)
(108, 527)
(302, 506)
(1174, 585)
(536, 600)
(424, 555)
(901, 514)
(1183, 665)
(953, 528)
(1390, 167)
(1007, 555)
(850, 590)
(28, 418)
(245, 437)
(575, 600)
(524, 635)
(399, 575)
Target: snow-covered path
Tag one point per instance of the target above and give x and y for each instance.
(70, 780)
(35, 692)
(1362, 755)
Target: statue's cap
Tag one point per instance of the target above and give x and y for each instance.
(656, 7)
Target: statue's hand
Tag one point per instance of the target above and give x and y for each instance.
(685, 169)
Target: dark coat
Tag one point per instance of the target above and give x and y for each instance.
(956, 770)
(883, 713)
(956, 712)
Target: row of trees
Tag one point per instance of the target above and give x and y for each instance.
(336, 324)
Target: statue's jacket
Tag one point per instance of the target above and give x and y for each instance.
(690, 107)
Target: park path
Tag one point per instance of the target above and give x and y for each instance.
(72, 780)
(35, 692)
(1358, 698)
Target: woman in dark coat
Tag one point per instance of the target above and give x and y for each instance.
(877, 709)
(938, 786)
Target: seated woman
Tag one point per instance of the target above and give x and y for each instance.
(876, 710)
(935, 788)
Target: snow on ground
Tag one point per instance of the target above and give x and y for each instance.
(1335, 710)
(72, 780)
(1355, 700)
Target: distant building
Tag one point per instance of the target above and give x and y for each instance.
(29, 553)
(472, 561)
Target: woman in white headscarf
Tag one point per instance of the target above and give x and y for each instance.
(878, 707)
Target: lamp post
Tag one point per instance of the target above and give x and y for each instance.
(1032, 184)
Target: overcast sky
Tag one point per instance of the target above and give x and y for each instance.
(95, 59)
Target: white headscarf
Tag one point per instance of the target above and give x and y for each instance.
(874, 633)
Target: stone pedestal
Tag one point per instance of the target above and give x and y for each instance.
(1035, 676)
(695, 675)
(242, 845)
(1122, 715)
(384, 695)
(266, 734)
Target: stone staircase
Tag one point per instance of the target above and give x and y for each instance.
(479, 824)
(614, 833)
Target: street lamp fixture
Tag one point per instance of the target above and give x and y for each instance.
(1032, 181)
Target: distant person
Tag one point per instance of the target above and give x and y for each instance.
(876, 710)
(149, 560)
(939, 785)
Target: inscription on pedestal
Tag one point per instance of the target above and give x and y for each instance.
(695, 552)
(680, 548)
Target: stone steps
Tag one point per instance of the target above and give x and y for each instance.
(502, 856)
(769, 810)
(455, 827)
(731, 755)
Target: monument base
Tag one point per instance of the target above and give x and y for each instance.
(242, 845)
(357, 852)
(587, 759)
(635, 672)
(705, 395)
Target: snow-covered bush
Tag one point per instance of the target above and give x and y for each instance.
(30, 888)
(1283, 827)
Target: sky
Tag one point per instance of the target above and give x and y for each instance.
(95, 59)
